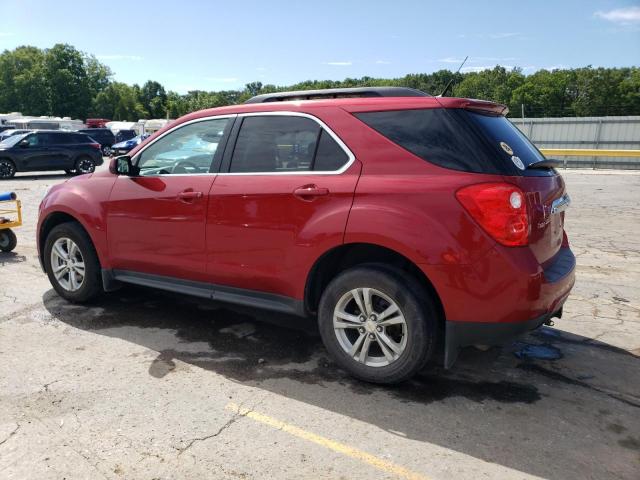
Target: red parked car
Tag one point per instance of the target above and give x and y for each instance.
(409, 225)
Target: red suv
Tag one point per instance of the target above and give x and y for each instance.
(409, 225)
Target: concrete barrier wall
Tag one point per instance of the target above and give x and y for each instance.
(621, 133)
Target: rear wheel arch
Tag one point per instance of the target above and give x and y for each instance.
(346, 256)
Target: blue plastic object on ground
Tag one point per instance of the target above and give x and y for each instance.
(8, 196)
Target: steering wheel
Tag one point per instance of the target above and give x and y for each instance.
(180, 166)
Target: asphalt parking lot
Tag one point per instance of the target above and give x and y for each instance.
(148, 385)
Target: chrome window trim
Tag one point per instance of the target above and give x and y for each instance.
(136, 157)
(324, 126)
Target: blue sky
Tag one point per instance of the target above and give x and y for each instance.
(214, 45)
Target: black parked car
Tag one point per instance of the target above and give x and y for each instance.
(49, 150)
(103, 136)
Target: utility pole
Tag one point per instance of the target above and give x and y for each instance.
(522, 105)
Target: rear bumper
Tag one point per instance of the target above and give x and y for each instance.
(464, 334)
(507, 299)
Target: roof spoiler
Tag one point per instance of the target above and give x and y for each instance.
(482, 106)
(360, 92)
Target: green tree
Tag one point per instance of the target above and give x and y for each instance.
(118, 101)
(153, 98)
(67, 82)
(98, 75)
(545, 93)
(22, 81)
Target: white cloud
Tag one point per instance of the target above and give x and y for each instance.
(480, 68)
(451, 60)
(382, 62)
(339, 64)
(623, 16)
(558, 66)
(135, 58)
(504, 35)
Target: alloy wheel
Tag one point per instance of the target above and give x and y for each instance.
(85, 165)
(7, 169)
(370, 327)
(67, 264)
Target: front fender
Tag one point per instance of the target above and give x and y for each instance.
(84, 199)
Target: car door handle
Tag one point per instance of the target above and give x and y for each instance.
(189, 195)
(310, 192)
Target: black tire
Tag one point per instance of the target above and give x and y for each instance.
(106, 151)
(84, 165)
(8, 240)
(7, 169)
(416, 306)
(91, 286)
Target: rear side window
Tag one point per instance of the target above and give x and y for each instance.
(60, 138)
(449, 138)
(329, 155)
(81, 138)
(275, 143)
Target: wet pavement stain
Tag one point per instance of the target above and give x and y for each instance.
(275, 347)
(631, 443)
(162, 365)
(616, 428)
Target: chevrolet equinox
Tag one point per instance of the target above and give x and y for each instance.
(409, 225)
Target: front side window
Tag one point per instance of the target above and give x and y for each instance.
(278, 143)
(187, 150)
(36, 140)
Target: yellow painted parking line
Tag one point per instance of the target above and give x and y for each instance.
(376, 462)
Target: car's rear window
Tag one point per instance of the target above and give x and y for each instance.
(456, 139)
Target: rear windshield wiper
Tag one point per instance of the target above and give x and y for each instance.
(546, 163)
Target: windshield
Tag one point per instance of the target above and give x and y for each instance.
(12, 140)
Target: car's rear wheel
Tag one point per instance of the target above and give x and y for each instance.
(85, 165)
(71, 263)
(7, 168)
(106, 151)
(8, 240)
(378, 323)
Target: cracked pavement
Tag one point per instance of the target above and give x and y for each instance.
(136, 385)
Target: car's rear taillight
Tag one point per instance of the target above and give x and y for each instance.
(95, 145)
(500, 209)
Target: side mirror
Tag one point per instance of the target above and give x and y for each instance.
(23, 143)
(122, 166)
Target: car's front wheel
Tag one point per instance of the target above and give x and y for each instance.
(71, 263)
(378, 323)
(106, 151)
(85, 165)
(7, 168)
